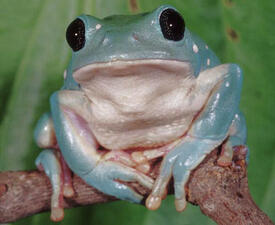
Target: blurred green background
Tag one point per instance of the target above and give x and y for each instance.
(34, 54)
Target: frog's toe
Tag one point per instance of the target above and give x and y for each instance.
(180, 198)
(153, 201)
(158, 193)
(159, 190)
(68, 191)
(226, 156)
(109, 177)
(57, 214)
(181, 174)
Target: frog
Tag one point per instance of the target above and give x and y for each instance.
(138, 88)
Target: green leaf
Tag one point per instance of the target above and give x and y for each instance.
(39, 65)
(34, 55)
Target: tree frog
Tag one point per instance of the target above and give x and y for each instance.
(138, 88)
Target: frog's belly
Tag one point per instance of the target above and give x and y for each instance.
(149, 137)
(144, 121)
(145, 130)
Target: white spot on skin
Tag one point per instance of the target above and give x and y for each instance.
(206, 46)
(195, 48)
(98, 26)
(208, 62)
(227, 84)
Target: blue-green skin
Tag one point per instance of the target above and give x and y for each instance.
(114, 40)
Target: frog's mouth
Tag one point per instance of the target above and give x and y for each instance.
(150, 68)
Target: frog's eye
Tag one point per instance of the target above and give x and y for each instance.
(75, 34)
(172, 25)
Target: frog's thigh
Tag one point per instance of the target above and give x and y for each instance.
(44, 134)
(49, 162)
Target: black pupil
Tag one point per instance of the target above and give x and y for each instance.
(75, 34)
(172, 25)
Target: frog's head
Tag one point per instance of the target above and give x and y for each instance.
(156, 47)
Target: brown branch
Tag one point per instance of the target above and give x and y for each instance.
(221, 192)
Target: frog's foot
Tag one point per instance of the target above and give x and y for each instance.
(139, 161)
(179, 163)
(51, 162)
(111, 177)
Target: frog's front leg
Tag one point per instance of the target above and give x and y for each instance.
(209, 129)
(80, 149)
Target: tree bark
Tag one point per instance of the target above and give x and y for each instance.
(221, 193)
